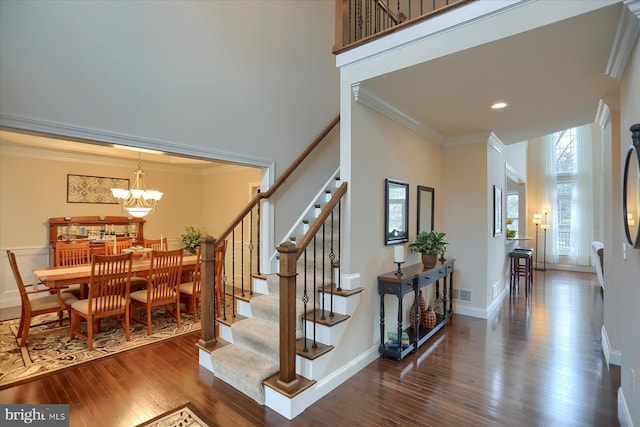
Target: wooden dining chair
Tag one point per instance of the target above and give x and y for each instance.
(109, 286)
(71, 254)
(157, 245)
(190, 291)
(111, 249)
(50, 303)
(137, 283)
(162, 286)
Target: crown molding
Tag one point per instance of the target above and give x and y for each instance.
(495, 143)
(513, 174)
(471, 138)
(61, 129)
(603, 114)
(625, 39)
(101, 160)
(365, 96)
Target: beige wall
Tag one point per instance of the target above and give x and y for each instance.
(384, 149)
(466, 220)
(628, 273)
(224, 194)
(40, 185)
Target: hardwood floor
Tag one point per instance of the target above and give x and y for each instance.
(537, 362)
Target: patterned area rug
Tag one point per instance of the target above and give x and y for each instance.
(183, 415)
(53, 352)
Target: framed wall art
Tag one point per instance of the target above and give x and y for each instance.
(93, 189)
(497, 210)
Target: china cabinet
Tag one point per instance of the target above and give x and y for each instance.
(96, 229)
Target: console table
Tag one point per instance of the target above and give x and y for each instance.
(413, 279)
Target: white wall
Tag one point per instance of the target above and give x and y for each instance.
(250, 78)
(627, 272)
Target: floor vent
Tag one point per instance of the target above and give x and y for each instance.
(462, 295)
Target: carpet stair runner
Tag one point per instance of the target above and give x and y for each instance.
(254, 354)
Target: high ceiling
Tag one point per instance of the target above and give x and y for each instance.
(552, 78)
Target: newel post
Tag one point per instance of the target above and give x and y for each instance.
(207, 298)
(288, 258)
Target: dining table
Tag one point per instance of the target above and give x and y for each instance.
(60, 277)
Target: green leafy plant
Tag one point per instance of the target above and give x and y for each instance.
(191, 240)
(430, 243)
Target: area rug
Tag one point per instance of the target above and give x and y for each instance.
(183, 415)
(55, 351)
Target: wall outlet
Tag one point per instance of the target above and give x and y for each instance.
(633, 379)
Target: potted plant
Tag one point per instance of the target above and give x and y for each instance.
(191, 240)
(430, 245)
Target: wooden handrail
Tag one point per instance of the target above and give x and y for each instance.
(281, 180)
(317, 223)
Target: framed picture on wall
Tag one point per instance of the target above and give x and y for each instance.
(497, 210)
(396, 212)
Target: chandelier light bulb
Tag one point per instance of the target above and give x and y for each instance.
(138, 202)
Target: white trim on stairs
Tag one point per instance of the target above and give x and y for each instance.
(291, 408)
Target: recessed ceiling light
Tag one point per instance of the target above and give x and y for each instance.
(499, 105)
(137, 150)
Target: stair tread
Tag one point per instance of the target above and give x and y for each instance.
(312, 353)
(228, 290)
(342, 292)
(328, 320)
(230, 320)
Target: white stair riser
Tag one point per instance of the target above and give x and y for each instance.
(225, 332)
(342, 305)
(243, 308)
(313, 369)
(325, 334)
(260, 286)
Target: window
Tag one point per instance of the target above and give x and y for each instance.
(566, 161)
(512, 212)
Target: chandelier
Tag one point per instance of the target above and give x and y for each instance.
(138, 201)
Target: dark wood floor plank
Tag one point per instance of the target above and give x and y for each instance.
(536, 362)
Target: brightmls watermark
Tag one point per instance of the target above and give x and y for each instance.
(35, 415)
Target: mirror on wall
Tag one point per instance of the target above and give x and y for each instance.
(425, 209)
(396, 212)
(631, 190)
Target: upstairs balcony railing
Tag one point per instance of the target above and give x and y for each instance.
(360, 21)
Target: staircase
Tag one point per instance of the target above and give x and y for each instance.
(252, 356)
(276, 341)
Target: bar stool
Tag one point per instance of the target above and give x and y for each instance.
(521, 265)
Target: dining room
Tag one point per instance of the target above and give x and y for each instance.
(192, 190)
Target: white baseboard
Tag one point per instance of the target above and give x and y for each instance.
(291, 408)
(466, 310)
(624, 416)
(494, 307)
(613, 357)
